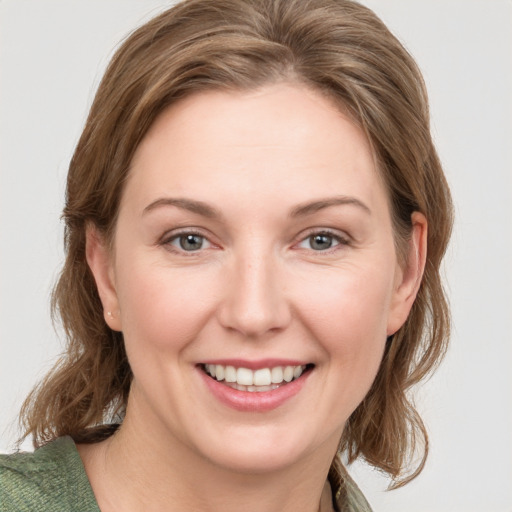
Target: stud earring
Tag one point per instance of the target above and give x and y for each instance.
(109, 314)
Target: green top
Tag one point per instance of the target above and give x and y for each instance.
(53, 479)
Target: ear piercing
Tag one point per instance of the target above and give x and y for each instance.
(110, 315)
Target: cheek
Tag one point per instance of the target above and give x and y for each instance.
(350, 302)
(161, 309)
(348, 314)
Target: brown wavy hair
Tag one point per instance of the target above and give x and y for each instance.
(337, 47)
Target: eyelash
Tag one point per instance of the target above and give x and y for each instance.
(168, 239)
(176, 235)
(334, 235)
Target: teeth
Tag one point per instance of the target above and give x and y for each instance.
(263, 379)
(244, 376)
(288, 373)
(230, 374)
(297, 372)
(219, 372)
(277, 375)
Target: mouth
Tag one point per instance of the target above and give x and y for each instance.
(255, 381)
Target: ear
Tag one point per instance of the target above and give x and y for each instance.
(99, 259)
(408, 277)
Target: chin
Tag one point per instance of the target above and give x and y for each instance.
(250, 462)
(257, 452)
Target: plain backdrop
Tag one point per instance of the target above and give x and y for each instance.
(52, 55)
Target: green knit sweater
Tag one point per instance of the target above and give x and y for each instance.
(53, 479)
(50, 479)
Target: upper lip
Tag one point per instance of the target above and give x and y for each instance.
(256, 364)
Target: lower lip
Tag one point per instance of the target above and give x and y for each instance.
(255, 401)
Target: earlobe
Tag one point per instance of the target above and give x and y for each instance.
(410, 275)
(100, 262)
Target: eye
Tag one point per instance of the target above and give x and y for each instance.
(322, 241)
(188, 242)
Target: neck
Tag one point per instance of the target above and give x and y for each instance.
(132, 469)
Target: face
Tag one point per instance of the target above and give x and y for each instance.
(254, 276)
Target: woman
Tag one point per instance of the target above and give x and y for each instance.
(255, 220)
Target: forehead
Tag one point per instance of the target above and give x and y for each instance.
(280, 138)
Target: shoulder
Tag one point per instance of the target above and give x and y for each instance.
(51, 478)
(355, 498)
(347, 497)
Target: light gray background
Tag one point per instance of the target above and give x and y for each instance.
(52, 54)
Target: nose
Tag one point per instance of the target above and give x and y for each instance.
(254, 302)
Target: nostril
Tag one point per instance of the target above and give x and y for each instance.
(253, 299)
(254, 320)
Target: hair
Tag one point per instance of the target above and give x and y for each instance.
(337, 47)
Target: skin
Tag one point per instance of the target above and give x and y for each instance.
(257, 288)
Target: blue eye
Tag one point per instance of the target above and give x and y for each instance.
(189, 242)
(322, 241)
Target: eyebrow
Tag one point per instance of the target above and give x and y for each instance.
(315, 206)
(204, 209)
(198, 207)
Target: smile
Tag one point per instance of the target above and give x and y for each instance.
(262, 379)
